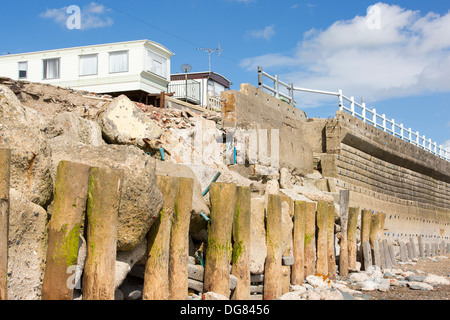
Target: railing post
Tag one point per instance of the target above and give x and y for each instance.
(260, 77)
(352, 106)
(384, 122)
(291, 93)
(393, 127)
(277, 86)
(401, 131)
(417, 137)
(341, 100)
(374, 118)
(363, 113)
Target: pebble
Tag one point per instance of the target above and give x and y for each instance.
(415, 278)
(419, 286)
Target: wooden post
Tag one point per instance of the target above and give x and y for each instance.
(179, 242)
(382, 255)
(102, 208)
(156, 277)
(413, 248)
(427, 249)
(310, 239)
(298, 269)
(409, 250)
(403, 254)
(374, 236)
(367, 254)
(421, 248)
(351, 236)
(391, 253)
(5, 164)
(322, 223)
(218, 255)
(331, 257)
(272, 272)
(69, 205)
(241, 246)
(366, 219)
(287, 211)
(343, 255)
(387, 255)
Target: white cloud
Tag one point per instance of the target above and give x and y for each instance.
(93, 15)
(404, 54)
(267, 33)
(446, 145)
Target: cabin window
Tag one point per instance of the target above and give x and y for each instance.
(157, 64)
(23, 68)
(88, 64)
(118, 61)
(51, 68)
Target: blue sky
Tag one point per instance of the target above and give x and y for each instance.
(397, 60)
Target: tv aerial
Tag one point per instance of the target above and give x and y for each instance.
(209, 51)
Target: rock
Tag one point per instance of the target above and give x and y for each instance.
(118, 295)
(256, 278)
(132, 291)
(195, 285)
(358, 276)
(347, 296)
(272, 187)
(258, 247)
(121, 271)
(256, 289)
(139, 187)
(195, 272)
(317, 281)
(233, 282)
(122, 122)
(329, 294)
(415, 278)
(311, 295)
(125, 261)
(433, 279)
(374, 272)
(367, 285)
(213, 296)
(30, 153)
(295, 295)
(76, 128)
(298, 288)
(285, 179)
(419, 286)
(287, 260)
(27, 248)
(384, 285)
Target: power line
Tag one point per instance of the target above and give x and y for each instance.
(160, 29)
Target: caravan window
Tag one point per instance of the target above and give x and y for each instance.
(51, 68)
(157, 64)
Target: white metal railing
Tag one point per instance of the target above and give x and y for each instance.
(214, 103)
(358, 110)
